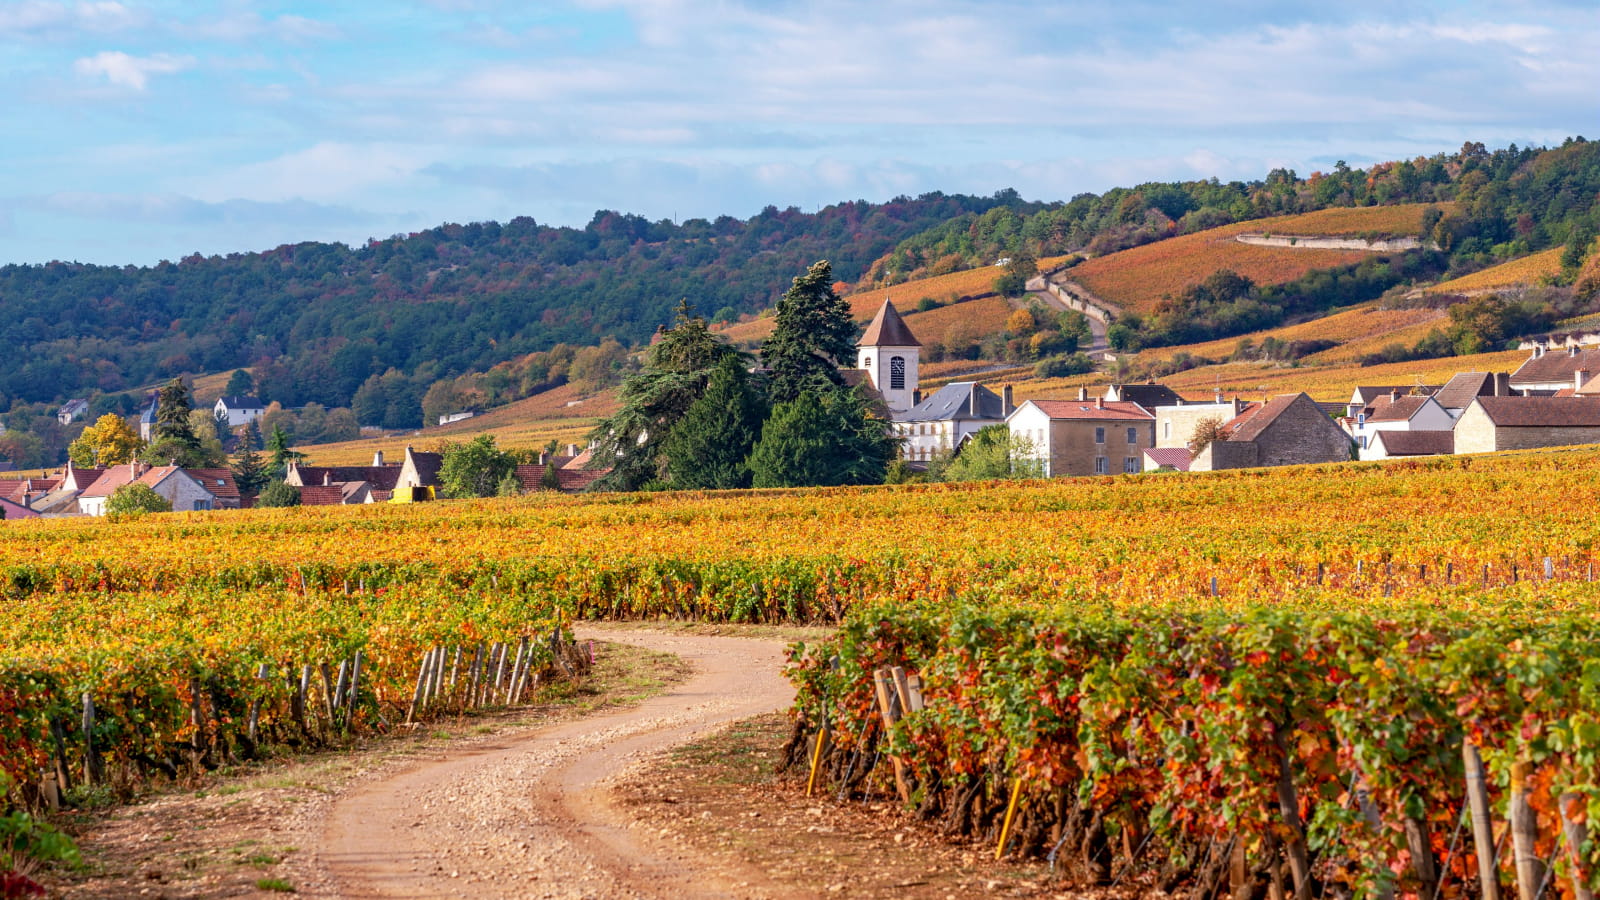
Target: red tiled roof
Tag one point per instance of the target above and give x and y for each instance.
(579, 461)
(1093, 410)
(321, 495)
(1399, 409)
(109, 481)
(1172, 457)
(218, 481)
(1542, 412)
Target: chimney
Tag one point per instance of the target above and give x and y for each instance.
(1579, 379)
(1538, 350)
(1083, 394)
(1394, 394)
(542, 460)
(1216, 395)
(327, 479)
(377, 458)
(1572, 351)
(1237, 406)
(916, 397)
(972, 400)
(1099, 403)
(1007, 405)
(572, 449)
(1502, 384)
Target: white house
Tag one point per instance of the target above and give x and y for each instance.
(889, 353)
(72, 411)
(238, 410)
(1395, 412)
(952, 414)
(186, 489)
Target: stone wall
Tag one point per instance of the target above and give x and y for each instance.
(1302, 435)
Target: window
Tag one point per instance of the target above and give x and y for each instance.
(1167, 425)
(897, 373)
(1099, 435)
(1133, 437)
(1100, 467)
(1131, 464)
(202, 504)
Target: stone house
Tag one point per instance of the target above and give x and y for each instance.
(1395, 412)
(1288, 430)
(1523, 423)
(1083, 436)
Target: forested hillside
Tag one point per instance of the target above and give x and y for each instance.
(319, 320)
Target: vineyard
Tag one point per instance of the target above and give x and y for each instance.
(1137, 278)
(1528, 270)
(1236, 677)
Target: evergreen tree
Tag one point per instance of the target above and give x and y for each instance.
(676, 371)
(822, 438)
(248, 470)
(173, 406)
(550, 479)
(709, 446)
(278, 445)
(509, 485)
(812, 336)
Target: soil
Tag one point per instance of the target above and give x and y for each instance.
(643, 781)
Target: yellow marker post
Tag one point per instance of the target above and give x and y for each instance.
(816, 758)
(1011, 812)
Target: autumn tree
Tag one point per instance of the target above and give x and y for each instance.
(110, 441)
(1206, 432)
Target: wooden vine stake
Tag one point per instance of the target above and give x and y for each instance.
(1577, 832)
(888, 708)
(1482, 826)
(1525, 835)
(1011, 814)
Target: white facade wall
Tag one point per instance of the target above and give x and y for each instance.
(237, 417)
(882, 365)
(1031, 423)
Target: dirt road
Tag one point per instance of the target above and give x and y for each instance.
(530, 816)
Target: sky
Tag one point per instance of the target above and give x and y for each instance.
(135, 131)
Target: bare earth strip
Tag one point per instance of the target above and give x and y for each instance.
(531, 816)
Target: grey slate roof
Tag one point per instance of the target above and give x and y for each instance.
(953, 403)
(1149, 395)
(1460, 390)
(1416, 443)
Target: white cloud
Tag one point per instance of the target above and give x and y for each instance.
(130, 71)
(323, 172)
(43, 17)
(245, 25)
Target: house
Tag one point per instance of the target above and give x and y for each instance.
(1363, 397)
(378, 476)
(187, 490)
(238, 410)
(1522, 423)
(1288, 430)
(1462, 388)
(1083, 436)
(1175, 423)
(889, 353)
(25, 491)
(1392, 444)
(1175, 459)
(72, 411)
(1148, 395)
(1548, 371)
(568, 481)
(418, 478)
(15, 511)
(1396, 412)
(944, 420)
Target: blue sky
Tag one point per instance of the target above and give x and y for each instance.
(138, 131)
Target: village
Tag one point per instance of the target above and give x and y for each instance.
(1550, 400)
